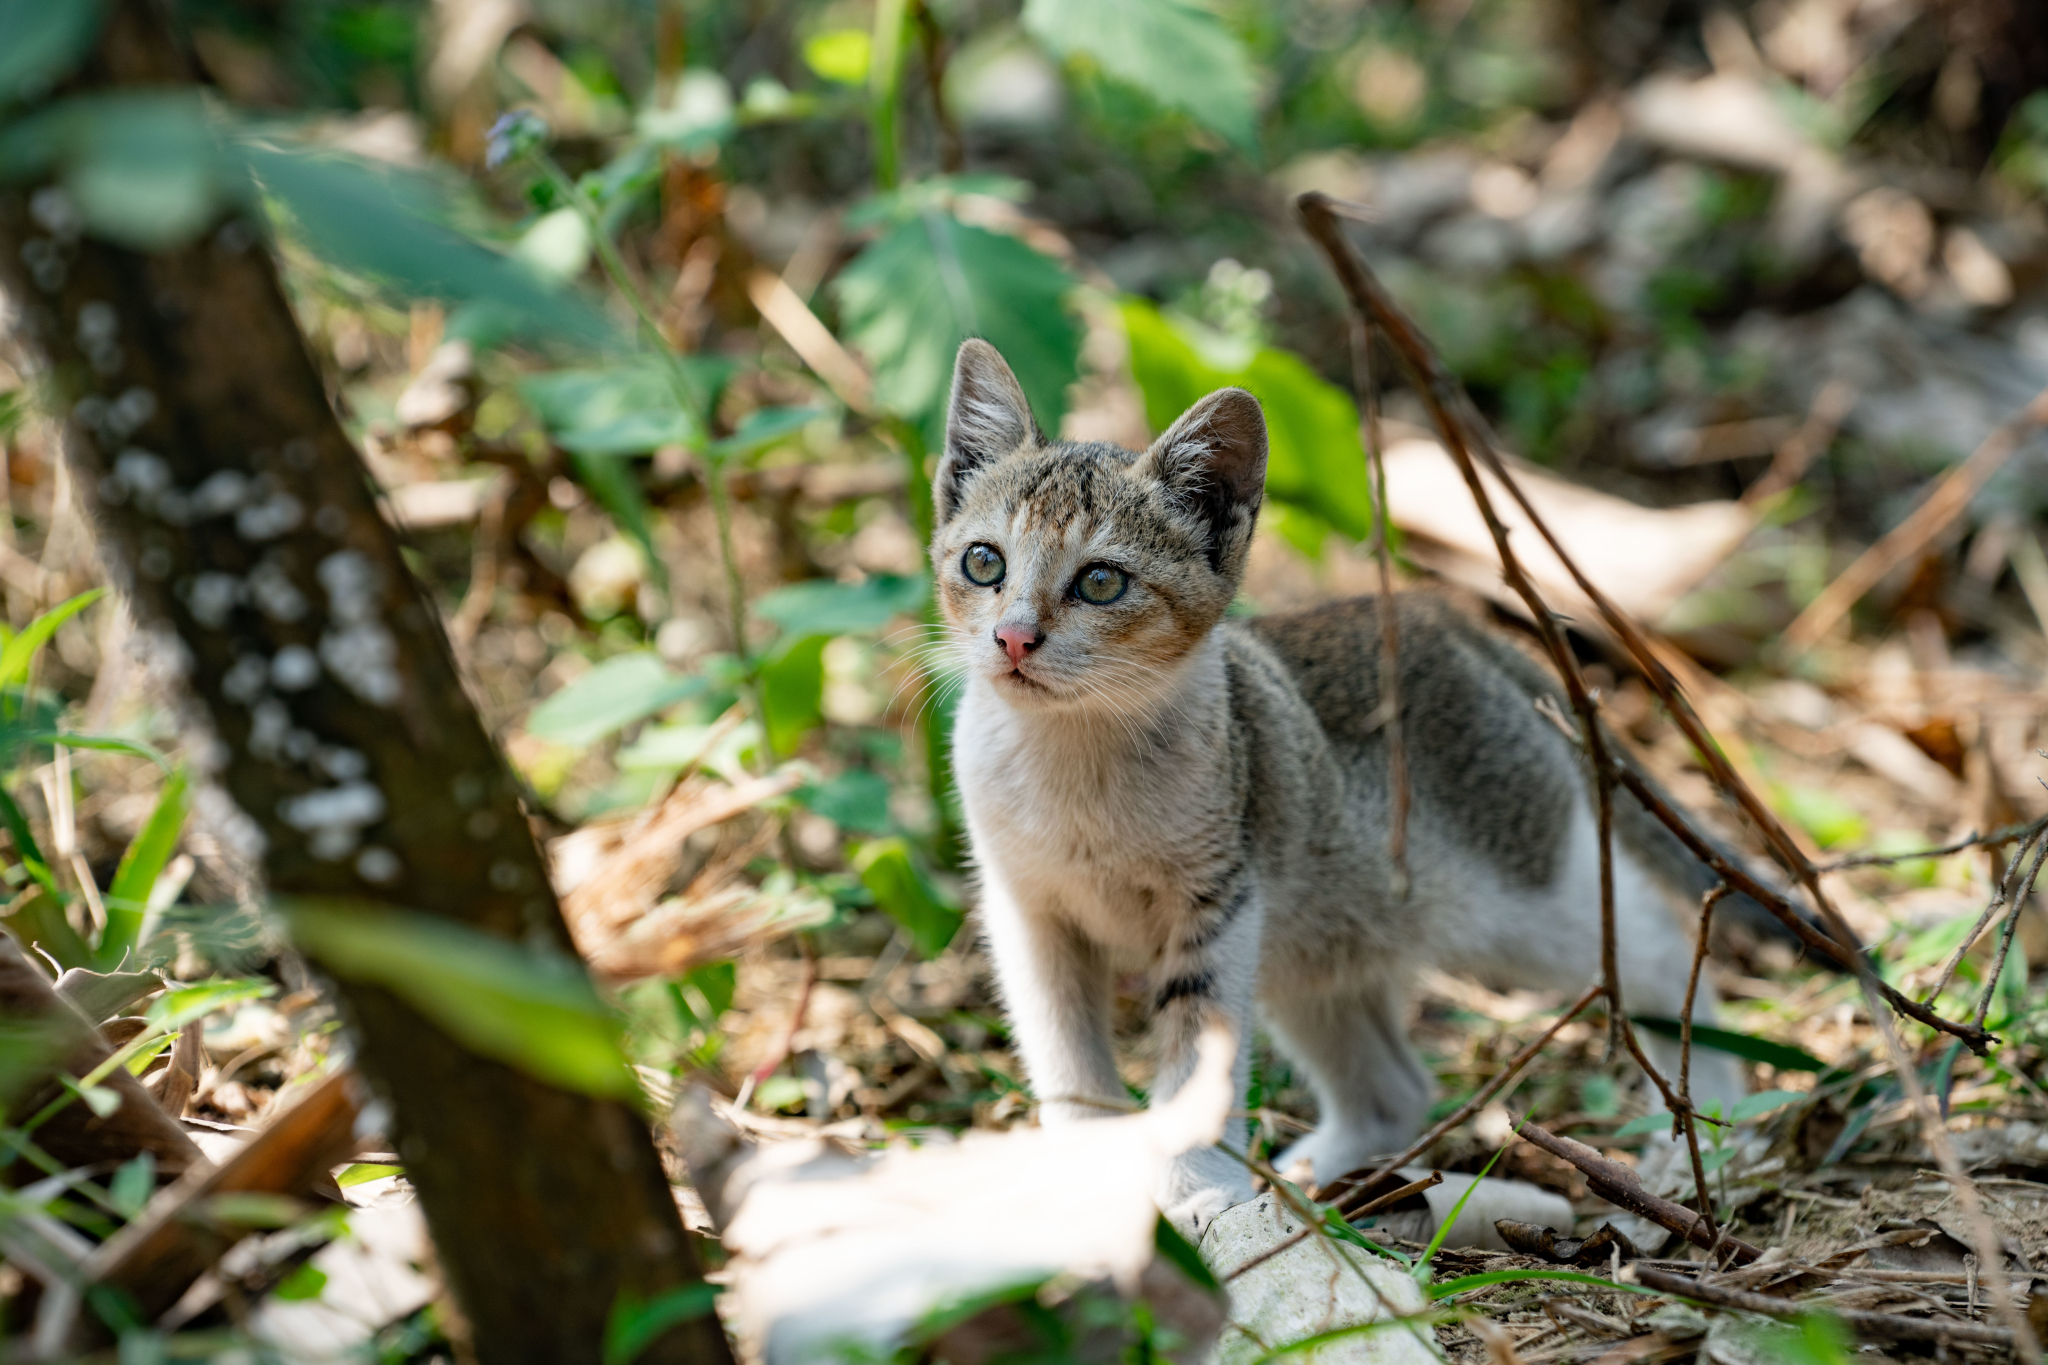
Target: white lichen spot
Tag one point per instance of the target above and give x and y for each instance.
(507, 875)
(245, 681)
(99, 326)
(174, 506)
(331, 521)
(144, 473)
(333, 818)
(271, 727)
(270, 518)
(360, 652)
(56, 213)
(273, 591)
(482, 825)
(46, 264)
(378, 865)
(211, 596)
(294, 669)
(135, 406)
(223, 491)
(468, 789)
(301, 745)
(344, 764)
(155, 563)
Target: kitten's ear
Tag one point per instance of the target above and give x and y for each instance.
(1214, 461)
(987, 419)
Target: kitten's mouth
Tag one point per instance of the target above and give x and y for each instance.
(1016, 677)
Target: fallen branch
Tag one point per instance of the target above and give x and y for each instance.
(1617, 1184)
(1875, 1326)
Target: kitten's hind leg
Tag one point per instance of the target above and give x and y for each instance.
(1371, 1089)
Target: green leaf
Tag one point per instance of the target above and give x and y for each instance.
(911, 298)
(1658, 1122)
(617, 489)
(1783, 1056)
(905, 894)
(305, 1283)
(1181, 1254)
(1314, 462)
(1763, 1102)
(102, 995)
(106, 744)
(762, 428)
(103, 1102)
(629, 408)
(41, 40)
(391, 225)
(128, 898)
(173, 1010)
(531, 1010)
(1178, 53)
(363, 1172)
(856, 800)
(143, 168)
(19, 653)
(793, 692)
(133, 1184)
(840, 55)
(820, 606)
(609, 697)
(25, 847)
(636, 1324)
(1821, 813)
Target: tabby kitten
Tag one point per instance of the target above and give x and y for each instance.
(1149, 786)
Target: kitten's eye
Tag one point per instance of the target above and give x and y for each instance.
(983, 564)
(1101, 584)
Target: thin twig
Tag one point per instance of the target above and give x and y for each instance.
(2024, 833)
(2012, 923)
(1618, 1185)
(2000, 898)
(1684, 1119)
(1390, 631)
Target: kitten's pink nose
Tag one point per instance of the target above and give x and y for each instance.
(1017, 641)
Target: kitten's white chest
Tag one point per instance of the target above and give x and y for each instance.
(1099, 836)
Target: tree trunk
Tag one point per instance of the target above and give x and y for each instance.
(231, 500)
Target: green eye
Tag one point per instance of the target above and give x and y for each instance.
(983, 564)
(1101, 584)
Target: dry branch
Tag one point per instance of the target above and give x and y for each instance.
(1617, 1184)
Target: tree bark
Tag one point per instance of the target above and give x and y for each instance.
(229, 498)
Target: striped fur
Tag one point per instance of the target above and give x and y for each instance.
(1153, 787)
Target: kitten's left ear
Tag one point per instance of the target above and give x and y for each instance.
(1214, 461)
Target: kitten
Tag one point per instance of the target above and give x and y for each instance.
(1150, 786)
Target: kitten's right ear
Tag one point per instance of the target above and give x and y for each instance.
(987, 419)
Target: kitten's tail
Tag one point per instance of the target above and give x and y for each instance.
(1646, 837)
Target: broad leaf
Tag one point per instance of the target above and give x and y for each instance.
(609, 697)
(911, 298)
(531, 1010)
(906, 895)
(1178, 53)
(391, 226)
(102, 995)
(629, 408)
(1763, 1102)
(856, 800)
(40, 42)
(793, 691)
(762, 428)
(143, 168)
(1315, 460)
(822, 607)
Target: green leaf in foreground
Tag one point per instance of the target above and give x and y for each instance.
(793, 691)
(497, 998)
(173, 1010)
(127, 898)
(906, 895)
(20, 652)
(1177, 52)
(635, 1324)
(911, 298)
(1783, 1056)
(40, 42)
(609, 697)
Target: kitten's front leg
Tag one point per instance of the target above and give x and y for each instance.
(1055, 986)
(1211, 972)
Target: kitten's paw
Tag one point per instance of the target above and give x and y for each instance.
(1192, 1215)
